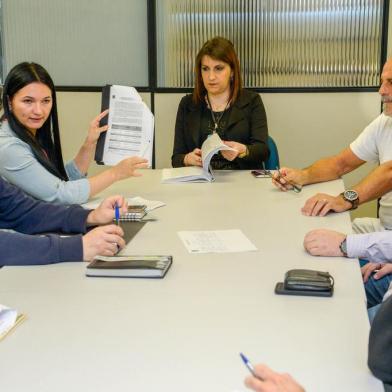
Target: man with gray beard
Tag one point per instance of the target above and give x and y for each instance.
(373, 238)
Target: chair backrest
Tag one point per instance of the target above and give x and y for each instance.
(273, 160)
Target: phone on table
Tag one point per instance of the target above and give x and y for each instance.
(262, 173)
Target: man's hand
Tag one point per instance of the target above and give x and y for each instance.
(193, 158)
(271, 381)
(104, 241)
(369, 268)
(105, 213)
(288, 176)
(321, 203)
(323, 242)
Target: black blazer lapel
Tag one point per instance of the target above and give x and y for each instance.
(238, 110)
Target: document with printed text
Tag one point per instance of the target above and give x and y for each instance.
(218, 241)
(130, 126)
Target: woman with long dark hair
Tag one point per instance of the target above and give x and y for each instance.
(30, 147)
(220, 104)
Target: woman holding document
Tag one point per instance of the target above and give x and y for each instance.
(220, 105)
(30, 148)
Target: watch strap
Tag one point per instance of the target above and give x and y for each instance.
(343, 247)
(354, 203)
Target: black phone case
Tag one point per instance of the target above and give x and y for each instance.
(279, 289)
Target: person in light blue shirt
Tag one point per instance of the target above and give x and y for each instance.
(30, 147)
(374, 247)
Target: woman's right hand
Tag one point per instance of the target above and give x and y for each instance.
(128, 166)
(193, 158)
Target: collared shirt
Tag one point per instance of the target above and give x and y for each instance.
(376, 246)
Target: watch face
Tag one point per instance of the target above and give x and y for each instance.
(351, 195)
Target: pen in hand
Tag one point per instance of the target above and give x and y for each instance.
(117, 214)
(297, 188)
(250, 367)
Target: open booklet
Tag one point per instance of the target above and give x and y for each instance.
(131, 126)
(211, 146)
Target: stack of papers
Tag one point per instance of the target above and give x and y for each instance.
(130, 127)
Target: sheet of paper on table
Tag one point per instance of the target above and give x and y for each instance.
(216, 241)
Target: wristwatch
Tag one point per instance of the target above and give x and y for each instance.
(343, 247)
(352, 197)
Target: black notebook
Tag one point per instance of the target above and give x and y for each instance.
(130, 266)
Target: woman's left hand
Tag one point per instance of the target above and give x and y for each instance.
(95, 130)
(231, 155)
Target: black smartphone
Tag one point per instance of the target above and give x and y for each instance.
(261, 173)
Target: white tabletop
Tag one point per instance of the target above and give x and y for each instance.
(184, 332)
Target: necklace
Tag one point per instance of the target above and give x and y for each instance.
(216, 120)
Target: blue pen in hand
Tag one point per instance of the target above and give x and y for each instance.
(250, 367)
(117, 214)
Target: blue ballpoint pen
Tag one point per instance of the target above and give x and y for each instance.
(117, 214)
(250, 367)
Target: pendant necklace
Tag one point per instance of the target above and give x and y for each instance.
(216, 120)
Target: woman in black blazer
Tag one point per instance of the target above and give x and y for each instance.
(220, 104)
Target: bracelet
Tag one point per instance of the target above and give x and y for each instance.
(244, 154)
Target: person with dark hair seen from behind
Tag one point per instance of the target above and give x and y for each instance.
(30, 148)
(220, 104)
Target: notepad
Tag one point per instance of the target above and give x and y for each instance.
(134, 213)
(129, 266)
(9, 319)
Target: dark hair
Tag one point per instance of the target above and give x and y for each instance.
(47, 140)
(222, 49)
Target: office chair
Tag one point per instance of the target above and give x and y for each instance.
(273, 160)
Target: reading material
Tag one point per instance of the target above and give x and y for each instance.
(131, 126)
(130, 266)
(211, 146)
(134, 213)
(9, 319)
(220, 241)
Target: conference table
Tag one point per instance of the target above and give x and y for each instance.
(185, 332)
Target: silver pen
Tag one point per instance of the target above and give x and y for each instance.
(296, 187)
